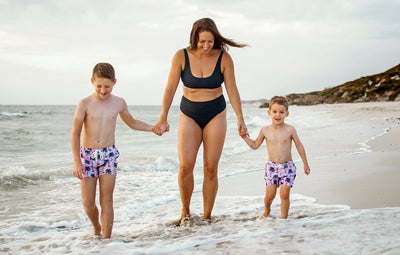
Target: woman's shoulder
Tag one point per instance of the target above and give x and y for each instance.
(179, 54)
(179, 58)
(226, 60)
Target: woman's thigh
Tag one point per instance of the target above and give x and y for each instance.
(213, 140)
(189, 140)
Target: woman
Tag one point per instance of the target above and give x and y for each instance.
(203, 67)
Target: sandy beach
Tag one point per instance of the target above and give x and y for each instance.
(364, 180)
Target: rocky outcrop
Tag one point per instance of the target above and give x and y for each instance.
(379, 87)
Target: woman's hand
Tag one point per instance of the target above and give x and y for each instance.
(242, 129)
(161, 127)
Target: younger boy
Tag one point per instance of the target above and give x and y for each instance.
(96, 157)
(280, 169)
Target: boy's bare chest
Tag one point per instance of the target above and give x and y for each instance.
(278, 138)
(101, 114)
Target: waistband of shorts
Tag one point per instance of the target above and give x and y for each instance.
(290, 162)
(107, 148)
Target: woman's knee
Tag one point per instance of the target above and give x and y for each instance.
(186, 170)
(210, 171)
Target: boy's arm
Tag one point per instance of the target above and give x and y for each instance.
(301, 150)
(77, 124)
(254, 144)
(132, 122)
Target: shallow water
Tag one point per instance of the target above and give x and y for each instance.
(41, 211)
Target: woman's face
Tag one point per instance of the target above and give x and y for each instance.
(206, 42)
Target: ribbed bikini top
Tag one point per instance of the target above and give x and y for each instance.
(210, 82)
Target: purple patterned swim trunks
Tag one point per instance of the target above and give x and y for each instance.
(280, 173)
(99, 161)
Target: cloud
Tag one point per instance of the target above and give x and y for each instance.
(296, 46)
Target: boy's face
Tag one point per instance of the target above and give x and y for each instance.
(103, 87)
(278, 113)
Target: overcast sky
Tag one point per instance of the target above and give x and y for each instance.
(48, 47)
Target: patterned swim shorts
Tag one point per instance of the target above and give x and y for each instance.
(99, 161)
(280, 173)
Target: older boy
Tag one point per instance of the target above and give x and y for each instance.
(96, 157)
(280, 169)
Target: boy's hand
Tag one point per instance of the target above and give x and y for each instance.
(156, 131)
(78, 171)
(307, 170)
(244, 136)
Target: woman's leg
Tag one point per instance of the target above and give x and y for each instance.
(189, 140)
(213, 142)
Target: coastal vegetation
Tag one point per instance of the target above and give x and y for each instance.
(374, 88)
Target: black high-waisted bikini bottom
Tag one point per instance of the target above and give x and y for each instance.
(203, 112)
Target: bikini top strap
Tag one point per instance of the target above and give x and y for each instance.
(219, 58)
(186, 57)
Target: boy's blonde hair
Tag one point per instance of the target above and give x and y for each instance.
(104, 70)
(279, 100)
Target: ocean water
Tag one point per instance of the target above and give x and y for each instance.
(41, 211)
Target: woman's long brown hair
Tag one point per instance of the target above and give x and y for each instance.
(207, 24)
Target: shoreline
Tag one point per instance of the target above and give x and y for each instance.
(363, 180)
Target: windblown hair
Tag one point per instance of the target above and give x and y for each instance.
(104, 70)
(279, 100)
(207, 24)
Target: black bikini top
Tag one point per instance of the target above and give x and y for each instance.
(210, 82)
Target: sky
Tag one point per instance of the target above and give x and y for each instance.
(48, 48)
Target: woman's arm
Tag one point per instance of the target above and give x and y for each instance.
(169, 92)
(233, 92)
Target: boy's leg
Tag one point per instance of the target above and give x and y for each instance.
(285, 200)
(270, 193)
(107, 184)
(88, 192)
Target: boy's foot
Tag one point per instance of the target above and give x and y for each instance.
(97, 230)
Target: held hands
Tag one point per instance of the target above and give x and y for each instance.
(244, 136)
(160, 128)
(242, 129)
